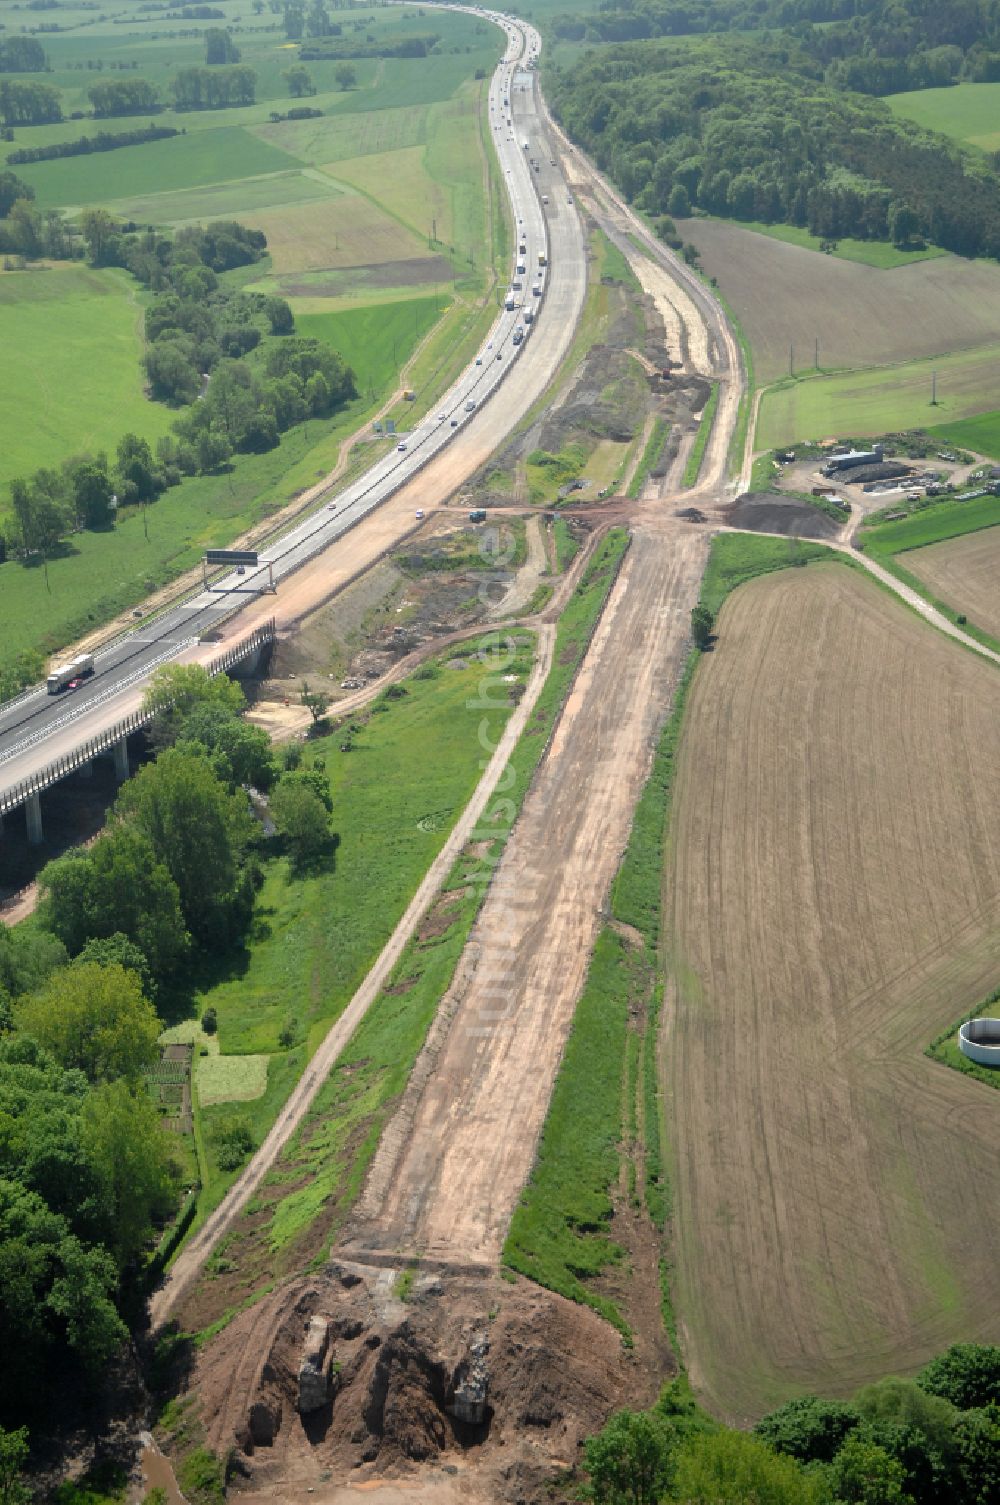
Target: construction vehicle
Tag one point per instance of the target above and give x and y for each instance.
(477, 515)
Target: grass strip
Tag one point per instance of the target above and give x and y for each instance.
(945, 1047)
(654, 444)
(694, 460)
(931, 525)
(327, 1159)
(567, 547)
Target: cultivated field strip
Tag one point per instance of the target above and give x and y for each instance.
(834, 902)
(964, 573)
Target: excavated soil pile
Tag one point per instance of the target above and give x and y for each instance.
(496, 1383)
(769, 512)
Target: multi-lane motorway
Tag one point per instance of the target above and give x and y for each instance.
(32, 727)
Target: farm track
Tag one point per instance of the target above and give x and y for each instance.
(834, 894)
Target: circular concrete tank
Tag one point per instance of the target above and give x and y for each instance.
(979, 1039)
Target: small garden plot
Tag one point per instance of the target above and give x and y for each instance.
(230, 1079)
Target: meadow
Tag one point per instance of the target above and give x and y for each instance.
(980, 434)
(966, 112)
(882, 400)
(53, 321)
(832, 905)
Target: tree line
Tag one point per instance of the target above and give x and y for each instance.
(101, 141)
(739, 126)
(926, 1441)
(193, 88)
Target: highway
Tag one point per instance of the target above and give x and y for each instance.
(36, 727)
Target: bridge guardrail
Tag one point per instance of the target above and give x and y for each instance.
(44, 778)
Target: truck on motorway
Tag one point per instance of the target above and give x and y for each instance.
(509, 302)
(543, 260)
(529, 316)
(517, 336)
(525, 145)
(80, 667)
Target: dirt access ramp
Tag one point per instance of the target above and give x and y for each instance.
(834, 904)
(455, 1157)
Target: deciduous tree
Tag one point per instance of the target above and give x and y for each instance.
(93, 1019)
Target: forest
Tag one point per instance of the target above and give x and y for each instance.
(740, 125)
(873, 46)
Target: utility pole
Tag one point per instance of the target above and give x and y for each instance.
(791, 360)
(816, 354)
(933, 389)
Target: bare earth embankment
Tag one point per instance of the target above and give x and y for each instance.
(965, 573)
(834, 898)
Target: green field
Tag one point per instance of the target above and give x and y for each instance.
(931, 525)
(871, 253)
(880, 400)
(71, 376)
(93, 576)
(374, 339)
(980, 434)
(967, 112)
(211, 156)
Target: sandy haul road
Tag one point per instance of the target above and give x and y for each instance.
(452, 1164)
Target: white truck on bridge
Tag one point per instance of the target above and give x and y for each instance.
(63, 674)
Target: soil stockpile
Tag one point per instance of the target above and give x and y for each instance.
(769, 512)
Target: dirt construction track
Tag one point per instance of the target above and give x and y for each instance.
(452, 1164)
(835, 902)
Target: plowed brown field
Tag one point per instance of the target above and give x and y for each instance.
(786, 296)
(834, 892)
(964, 573)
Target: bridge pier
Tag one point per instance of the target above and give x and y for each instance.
(120, 751)
(86, 770)
(33, 816)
